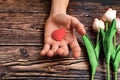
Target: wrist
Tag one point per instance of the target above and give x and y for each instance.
(59, 6)
(55, 12)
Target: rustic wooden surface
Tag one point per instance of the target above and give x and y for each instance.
(21, 39)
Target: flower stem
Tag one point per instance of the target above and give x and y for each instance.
(97, 37)
(106, 26)
(108, 71)
(92, 77)
(115, 75)
(115, 41)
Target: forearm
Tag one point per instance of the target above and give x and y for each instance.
(59, 6)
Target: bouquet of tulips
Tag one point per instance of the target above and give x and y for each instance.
(106, 29)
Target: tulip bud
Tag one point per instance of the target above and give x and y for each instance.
(118, 24)
(109, 15)
(98, 24)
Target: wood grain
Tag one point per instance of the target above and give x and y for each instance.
(21, 62)
(29, 17)
(22, 37)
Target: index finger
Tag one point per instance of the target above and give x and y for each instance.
(79, 27)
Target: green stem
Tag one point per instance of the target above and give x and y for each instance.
(97, 37)
(108, 71)
(106, 26)
(92, 77)
(115, 75)
(115, 41)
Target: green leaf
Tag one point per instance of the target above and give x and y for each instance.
(102, 33)
(108, 42)
(117, 61)
(113, 56)
(91, 53)
(97, 48)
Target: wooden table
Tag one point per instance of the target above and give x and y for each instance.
(21, 39)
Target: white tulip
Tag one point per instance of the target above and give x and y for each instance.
(109, 15)
(98, 24)
(118, 24)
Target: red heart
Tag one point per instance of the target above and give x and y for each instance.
(59, 34)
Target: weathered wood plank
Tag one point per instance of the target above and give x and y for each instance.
(32, 6)
(21, 28)
(21, 62)
(22, 21)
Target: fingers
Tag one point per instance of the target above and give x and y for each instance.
(79, 27)
(52, 51)
(60, 52)
(45, 50)
(54, 48)
(75, 49)
(63, 50)
(49, 51)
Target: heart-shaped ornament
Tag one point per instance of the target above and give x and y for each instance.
(59, 34)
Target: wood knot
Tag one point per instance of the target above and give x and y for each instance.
(2, 75)
(23, 53)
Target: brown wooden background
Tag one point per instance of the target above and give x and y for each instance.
(21, 39)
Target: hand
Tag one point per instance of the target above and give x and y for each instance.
(53, 47)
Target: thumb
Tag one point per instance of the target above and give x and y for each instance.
(79, 27)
